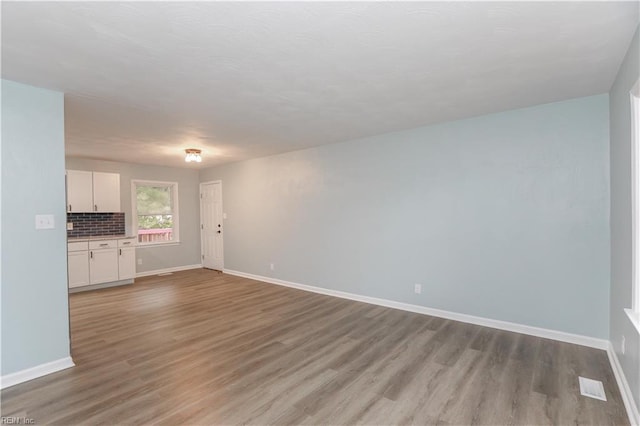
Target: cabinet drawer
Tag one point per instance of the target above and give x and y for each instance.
(127, 242)
(78, 246)
(103, 244)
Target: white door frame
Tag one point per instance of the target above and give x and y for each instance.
(634, 97)
(201, 222)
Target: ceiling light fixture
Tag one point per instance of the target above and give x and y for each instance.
(193, 155)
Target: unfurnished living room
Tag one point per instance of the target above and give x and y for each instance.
(320, 213)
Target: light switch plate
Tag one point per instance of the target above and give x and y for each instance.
(44, 221)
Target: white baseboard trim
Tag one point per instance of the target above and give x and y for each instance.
(35, 372)
(165, 270)
(623, 385)
(486, 322)
(100, 286)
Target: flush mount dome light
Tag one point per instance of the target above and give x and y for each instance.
(193, 155)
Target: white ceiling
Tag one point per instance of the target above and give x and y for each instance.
(145, 80)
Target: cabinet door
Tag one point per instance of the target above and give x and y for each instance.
(79, 191)
(103, 266)
(78, 263)
(127, 263)
(106, 192)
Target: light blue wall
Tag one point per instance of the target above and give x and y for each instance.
(504, 216)
(154, 258)
(621, 229)
(35, 320)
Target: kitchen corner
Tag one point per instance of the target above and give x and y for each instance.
(99, 252)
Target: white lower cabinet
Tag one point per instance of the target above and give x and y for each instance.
(103, 266)
(101, 261)
(126, 262)
(78, 268)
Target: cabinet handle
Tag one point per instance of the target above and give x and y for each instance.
(91, 254)
(104, 245)
(120, 252)
(95, 207)
(69, 207)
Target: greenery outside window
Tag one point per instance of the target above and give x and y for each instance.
(155, 212)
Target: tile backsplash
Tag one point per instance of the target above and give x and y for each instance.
(95, 224)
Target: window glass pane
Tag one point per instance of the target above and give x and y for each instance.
(154, 212)
(160, 221)
(155, 228)
(153, 200)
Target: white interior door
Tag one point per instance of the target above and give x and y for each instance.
(211, 225)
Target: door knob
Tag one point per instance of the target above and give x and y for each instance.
(219, 231)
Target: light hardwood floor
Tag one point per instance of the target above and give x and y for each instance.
(201, 347)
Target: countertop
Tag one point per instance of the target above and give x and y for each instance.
(98, 238)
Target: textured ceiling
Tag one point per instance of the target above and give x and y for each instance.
(143, 81)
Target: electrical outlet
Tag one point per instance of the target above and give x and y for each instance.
(69, 226)
(622, 345)
(139, 261)
(271, 266)
(417, 288)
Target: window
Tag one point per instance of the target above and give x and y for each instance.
(155, 212)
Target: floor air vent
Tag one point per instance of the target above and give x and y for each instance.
(592, 388)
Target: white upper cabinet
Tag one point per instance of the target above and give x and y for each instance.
(92, 192)
(106, 192)
(79, 191)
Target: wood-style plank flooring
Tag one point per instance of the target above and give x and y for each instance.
(200, 347)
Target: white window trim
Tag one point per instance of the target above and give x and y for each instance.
(634, 312)
(176, 214)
